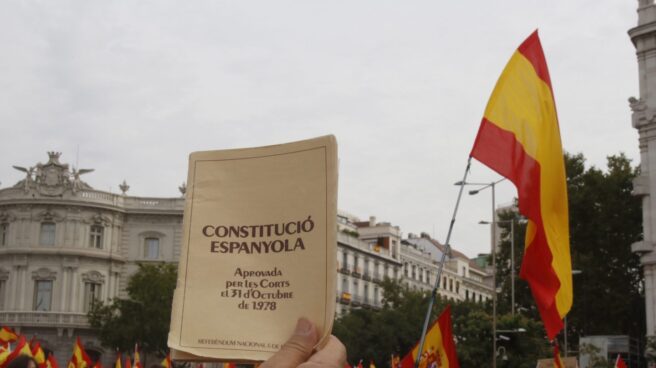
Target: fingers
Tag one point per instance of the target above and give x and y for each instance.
(333, 355)
(297, 349)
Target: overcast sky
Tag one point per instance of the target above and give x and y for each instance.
(138, 85)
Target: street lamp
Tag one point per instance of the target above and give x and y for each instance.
(512, 260)
(574, 272)
(484, 186)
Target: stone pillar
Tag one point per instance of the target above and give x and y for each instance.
(644, 120)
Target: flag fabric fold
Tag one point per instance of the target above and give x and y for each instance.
(439, 347)
(519, 138)
(7, 335)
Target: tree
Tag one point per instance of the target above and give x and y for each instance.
(395, 329)
(142, 318)
(605, 219)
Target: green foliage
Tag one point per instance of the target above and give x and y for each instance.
(395, 329)
(144, 317)
(605, 219)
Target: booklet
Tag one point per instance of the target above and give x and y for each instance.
(259, 250)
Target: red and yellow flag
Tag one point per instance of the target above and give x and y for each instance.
(439, 347)
(137, 359)
(117, 364)
(166, 363)
(80, 359)
(557, 361)
(128, 363)
(21, 348)
(51, 362)
(519, 138)
(38, 354)
(7, 335)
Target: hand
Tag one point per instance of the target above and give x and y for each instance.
(297, 351)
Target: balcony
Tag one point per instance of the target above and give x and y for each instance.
(344, 270)
(366, 276)
(44, 319)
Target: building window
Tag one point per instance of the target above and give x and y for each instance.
(450, 284)
(355, 264)
(91, 294)
(376, 295)
(151, 248)
(366, 293)
(47, 234)
(366, 267)
(4, 233)
(42, 295)
(96, 237)
(345, 288)
(355, 287)
(345, 260)
(457, 287)
(466, 294)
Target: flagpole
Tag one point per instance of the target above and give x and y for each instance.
(447, 250)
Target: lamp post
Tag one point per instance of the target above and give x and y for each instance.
(574, 272)
(512, 260)
(484, 186)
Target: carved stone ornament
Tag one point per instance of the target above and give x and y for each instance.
(44, 274)
(53, 178)
(124, 187)
(93, 277)
(6, 217)
(49, 215)
(101, 220)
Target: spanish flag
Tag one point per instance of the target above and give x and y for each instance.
(51, 362)
(22, 348)
(558, 362)
(519, 138)
(117, 363)
(137, 359)
(80, 359)
(7, 335)
(166, 363)
(128, 364)
(38, 354)
(439, 347)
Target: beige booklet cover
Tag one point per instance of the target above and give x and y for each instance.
(259, 250)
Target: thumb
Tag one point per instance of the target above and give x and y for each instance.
(297, 349)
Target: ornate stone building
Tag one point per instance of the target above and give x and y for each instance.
(644, 120)
(64, 245)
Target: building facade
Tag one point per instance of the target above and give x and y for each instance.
(644, 120)
(64, 245)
